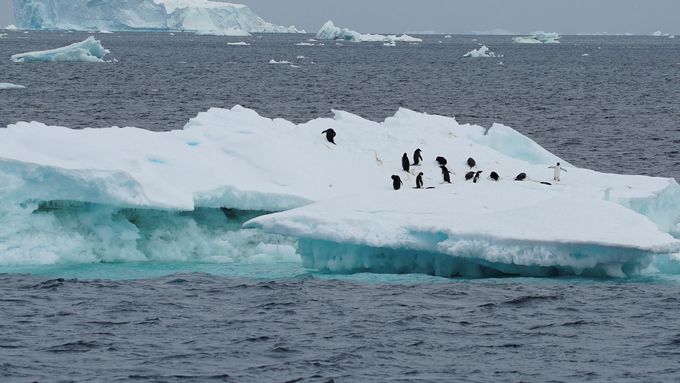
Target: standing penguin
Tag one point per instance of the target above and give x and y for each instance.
(405, 163)
(494, 176)
(330, 135)
(558, 170)
(521, 177)
(447, 174)
(417, 157)
(396, 182)
(419, 181)
(471, 162)
(477, 176)
(441, 161)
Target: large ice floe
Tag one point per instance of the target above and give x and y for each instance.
(88, 50)
(202, 16)
(234, 184)
(330, 32)
(539, 37)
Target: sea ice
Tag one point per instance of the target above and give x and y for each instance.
(330, 32)
(204, 16)
(483, 51)
(89, 50)
(118, 179)
(539, 37)
(7, 85)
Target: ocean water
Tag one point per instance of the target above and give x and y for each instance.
(260, 318)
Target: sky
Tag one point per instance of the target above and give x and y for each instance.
(464, 16)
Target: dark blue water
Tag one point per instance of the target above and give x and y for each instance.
(617, 109)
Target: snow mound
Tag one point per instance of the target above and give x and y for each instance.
(483, 51)
(204, 16)
(89, 50)
(330, 32)
(7, 85)
(539, 37)
(136, 187)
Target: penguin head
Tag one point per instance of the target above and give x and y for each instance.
(420, 174)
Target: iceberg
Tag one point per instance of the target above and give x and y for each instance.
(7, 85)
(330, 32)
(204, 16)
(88, 50)
(539, 37)
(224, 186)
(11, 27)
(483, 51)
(239, 43)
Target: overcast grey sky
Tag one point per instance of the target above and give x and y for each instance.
(462, 16)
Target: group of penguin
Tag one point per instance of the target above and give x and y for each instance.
(441, 161)
(446, 173)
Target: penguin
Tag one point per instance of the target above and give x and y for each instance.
(494, 176)
(405, 163)
(471, 162)
(330, 135)
(417, 157)
(396, 182)
(474, 180)
(419, 181)
(469, 176)
(441, 161)
(447, 174)
(521, 177)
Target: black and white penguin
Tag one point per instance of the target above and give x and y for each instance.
(469, 176)
(494, 176)
(417, 157)
(330, 135)
(419, 181)
(521, 177)
(479, 173)
(405, 163)
(396, 182)
(471, 162)
(447, 174)
(441, 161)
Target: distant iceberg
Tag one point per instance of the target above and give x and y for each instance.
(239, 43)
(539, 37)
(203, 16)
(11, 27)
(483, 51)
(127, 194)
(7, 85)
(89, 50)
(330, 32)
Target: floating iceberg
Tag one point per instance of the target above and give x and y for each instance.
(11, 27)
(205, 16)
(89, 50)
(483, 51)
(330, 32)
(131, 194)
(239, 43)
(539, 37)
(272, 61)
(7, 85)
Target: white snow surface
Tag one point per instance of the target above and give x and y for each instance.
(203, 16)
(8, 85)
(330, 32)
(483, 51)
(88, 50)
(538, 37)
(342, 194)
